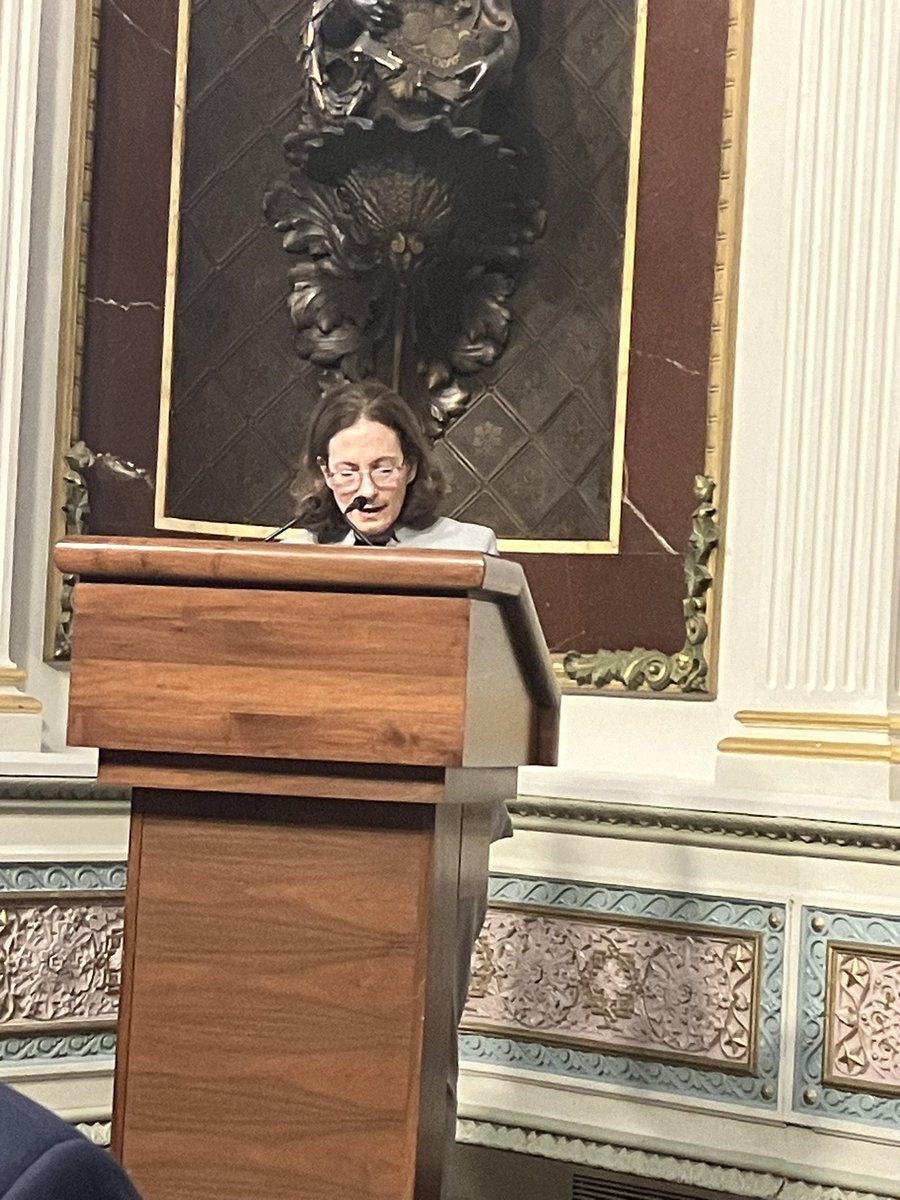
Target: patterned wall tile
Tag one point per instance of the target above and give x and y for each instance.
(862, 1018)
(649, 990)
(60, 963)
(654, 990)
(60, 960)
(847, 1062)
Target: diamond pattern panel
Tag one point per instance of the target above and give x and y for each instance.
(531, 457)
(572, 113)
(240, 396)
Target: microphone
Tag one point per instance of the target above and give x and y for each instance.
(270, 537)
(357, 506)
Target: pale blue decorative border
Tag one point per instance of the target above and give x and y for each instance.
(726, 912)
(831, 1101)
(58, 1047)
(62, 877)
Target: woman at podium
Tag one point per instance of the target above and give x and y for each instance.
(368, 477)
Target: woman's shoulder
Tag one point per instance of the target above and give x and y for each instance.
(446, 533)
(299, 535)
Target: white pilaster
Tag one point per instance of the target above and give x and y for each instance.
(20, 24)
(827, 553)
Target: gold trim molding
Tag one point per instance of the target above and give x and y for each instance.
(640, 669)
(73, 300)
(800, 748)
(18, 703)
(848, 722)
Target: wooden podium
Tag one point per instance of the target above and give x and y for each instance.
(316, 739)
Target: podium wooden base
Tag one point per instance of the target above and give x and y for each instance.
(288, 1020)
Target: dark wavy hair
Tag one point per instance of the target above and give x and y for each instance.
(340, 408)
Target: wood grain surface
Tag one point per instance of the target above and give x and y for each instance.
(270, 674)
(183, 560)
(278, 566)
(275, 1035)
(277, 777)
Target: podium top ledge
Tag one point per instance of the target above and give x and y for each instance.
(287, 565)
(292, 566)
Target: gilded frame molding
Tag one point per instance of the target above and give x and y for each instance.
(67, 505)
(624, 668)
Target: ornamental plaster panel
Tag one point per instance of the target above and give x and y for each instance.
(60, 964)
(652, 990)
(862, 1019)
(646, 990)
(60, 961)
(848, 1029)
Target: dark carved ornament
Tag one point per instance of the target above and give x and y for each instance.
(406, 219)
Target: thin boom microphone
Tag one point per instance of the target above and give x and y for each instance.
(358, 504)
(270, 537)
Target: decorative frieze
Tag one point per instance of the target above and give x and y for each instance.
(31, 1049)
(847, 1058)
(654, 990)
(60, 965)
(862, 1021)
(759, 834)
(643, 989)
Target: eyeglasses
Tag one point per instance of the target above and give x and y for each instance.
(348, 479)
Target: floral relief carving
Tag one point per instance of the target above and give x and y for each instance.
(862, 1035)
(638, 989)
(60, 964)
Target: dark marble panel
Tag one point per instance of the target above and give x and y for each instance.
(127, 253)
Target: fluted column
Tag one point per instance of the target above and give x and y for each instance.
(826, 668)
(20, 714)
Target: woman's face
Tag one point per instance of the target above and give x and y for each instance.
(365, 460)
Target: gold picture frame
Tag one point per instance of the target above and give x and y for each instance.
(67, 507)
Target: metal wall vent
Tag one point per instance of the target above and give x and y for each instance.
(608, 1187)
